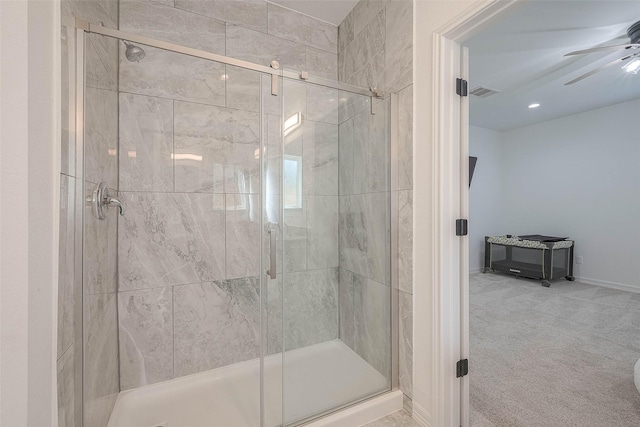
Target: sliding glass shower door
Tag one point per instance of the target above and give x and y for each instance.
(333, 297)
(235, 236)
(174, 299)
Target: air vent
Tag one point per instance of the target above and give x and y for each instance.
(483, 92)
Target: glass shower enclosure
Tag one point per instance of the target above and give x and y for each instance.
(235, 235)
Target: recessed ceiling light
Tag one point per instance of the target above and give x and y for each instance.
(632, 67)
(534, 105)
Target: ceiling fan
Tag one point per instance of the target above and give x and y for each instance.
(631, 54)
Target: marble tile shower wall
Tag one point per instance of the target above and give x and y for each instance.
(99, 258)
(375, 45)
(190, 132)
(364, 231)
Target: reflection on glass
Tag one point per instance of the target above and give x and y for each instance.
(292, 169)
(292, 122)
(184, 156)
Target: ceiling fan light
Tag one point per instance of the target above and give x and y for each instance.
(633, 66)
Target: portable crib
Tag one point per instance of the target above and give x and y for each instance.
(534, 256)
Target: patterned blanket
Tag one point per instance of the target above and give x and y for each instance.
(516, 241)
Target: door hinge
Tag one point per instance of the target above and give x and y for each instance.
(462, 227)
(461, 87)
(462, 368)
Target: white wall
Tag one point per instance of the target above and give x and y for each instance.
(485, 193)
(577, 176)
(28, 209)
(14, 228)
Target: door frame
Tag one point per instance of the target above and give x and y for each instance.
(451, 139)
(449, 200)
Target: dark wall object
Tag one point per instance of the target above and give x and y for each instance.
(472, 167)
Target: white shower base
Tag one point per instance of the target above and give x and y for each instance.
(317, 378)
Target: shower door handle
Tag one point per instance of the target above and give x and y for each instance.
(271, 229)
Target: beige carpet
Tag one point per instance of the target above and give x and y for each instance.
(559, 356)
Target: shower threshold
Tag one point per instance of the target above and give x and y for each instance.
(317, 379)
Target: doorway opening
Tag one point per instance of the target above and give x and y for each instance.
(552, 161)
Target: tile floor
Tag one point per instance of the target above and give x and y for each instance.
(401, 418)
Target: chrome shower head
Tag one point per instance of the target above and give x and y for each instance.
(133, 53)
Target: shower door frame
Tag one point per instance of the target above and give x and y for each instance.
(76, 104)
(87, 27)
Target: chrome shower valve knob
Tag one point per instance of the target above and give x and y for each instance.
(100, 200)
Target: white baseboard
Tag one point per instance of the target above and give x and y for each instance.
(421, 415)
(612, 285)
(588, 281)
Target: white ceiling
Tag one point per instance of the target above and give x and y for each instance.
(331, 11)
(521, 54)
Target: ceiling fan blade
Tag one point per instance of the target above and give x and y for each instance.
(596, 70)
(605, 48)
